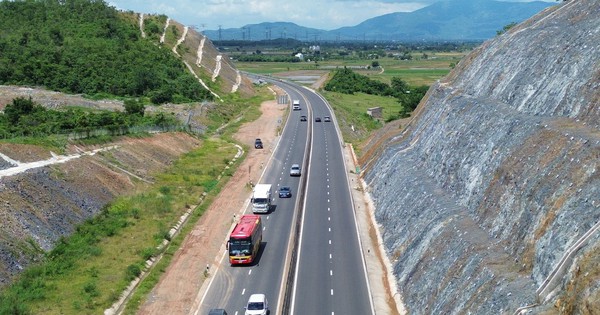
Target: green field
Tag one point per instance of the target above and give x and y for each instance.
(351, 110)
(418, 71)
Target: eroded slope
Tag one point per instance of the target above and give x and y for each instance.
(489, 200)
(43, 204)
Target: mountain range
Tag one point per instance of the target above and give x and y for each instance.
(443, 20)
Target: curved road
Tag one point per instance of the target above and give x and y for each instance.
(329, 275)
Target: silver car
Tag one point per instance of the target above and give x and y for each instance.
(295, 170)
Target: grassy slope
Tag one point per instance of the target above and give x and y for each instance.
(89, 274)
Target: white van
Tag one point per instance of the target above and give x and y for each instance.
(257, 305)
(296, 104)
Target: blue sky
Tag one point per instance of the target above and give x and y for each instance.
(322, 14)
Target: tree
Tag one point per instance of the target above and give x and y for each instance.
(399, 86)
(375, 64)
(506, 28)
(133, 107)
(20, 107)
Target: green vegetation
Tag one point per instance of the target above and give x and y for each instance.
(267, 58)
(351, 113)
(25, 118)
(84, 46)
(506, 28)
(416, 71)
(348, 82)
(87, 271)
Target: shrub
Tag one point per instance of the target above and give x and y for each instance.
(133, 271)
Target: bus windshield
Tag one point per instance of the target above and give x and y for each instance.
(237, 247)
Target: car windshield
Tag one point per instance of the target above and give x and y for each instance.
(284, 189)
(255, 306)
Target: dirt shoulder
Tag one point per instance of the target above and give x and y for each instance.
(179, 286)
(182, 284)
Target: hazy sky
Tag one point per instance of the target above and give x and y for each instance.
(322, 14)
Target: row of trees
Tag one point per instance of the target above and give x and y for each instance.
(23, 117)
(86, 46)
(349, 82)
(267, 58)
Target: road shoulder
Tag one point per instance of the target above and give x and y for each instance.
(386, 298)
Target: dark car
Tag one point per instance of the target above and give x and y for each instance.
(327, 119)
(318, 119)
(258, 144)
(285, 192)
(217, 311)
(303, 118)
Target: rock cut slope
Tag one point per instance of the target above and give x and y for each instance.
(488, 202)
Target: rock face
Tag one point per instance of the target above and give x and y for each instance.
(490, 199)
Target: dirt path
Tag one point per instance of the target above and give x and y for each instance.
(179, 290)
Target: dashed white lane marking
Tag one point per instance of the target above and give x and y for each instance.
(331, 272)
(329, 242)
(243, 291)
(331, 291)
(250, 272)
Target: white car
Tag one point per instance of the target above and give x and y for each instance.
(257, 305)
(295, 170)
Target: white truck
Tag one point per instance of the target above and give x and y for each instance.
(296, 105)
(261, 198)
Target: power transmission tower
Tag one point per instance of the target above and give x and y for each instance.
(220, 32)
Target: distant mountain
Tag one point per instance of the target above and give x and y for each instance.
(444, 20)
(262, 31)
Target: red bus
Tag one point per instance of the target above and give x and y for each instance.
(244, 241)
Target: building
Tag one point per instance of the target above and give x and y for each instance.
(375, 112)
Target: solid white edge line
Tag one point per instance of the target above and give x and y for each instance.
(364, 263)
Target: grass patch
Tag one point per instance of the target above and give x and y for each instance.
(351, 110)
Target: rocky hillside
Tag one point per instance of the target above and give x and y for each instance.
(489, 200)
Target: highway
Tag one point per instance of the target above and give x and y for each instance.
(329, 275)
